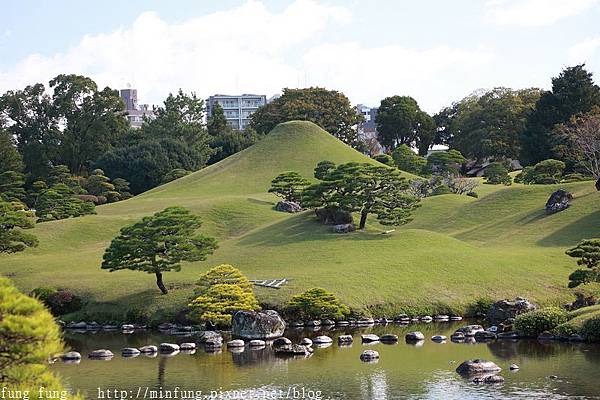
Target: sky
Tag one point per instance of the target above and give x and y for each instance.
(437, 51)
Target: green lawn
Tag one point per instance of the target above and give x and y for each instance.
(456, 250)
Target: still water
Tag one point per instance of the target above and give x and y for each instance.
(404, 371)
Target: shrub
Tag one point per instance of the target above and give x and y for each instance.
(535, 322)
(385, 159)
(316, 303)
(175, 174)
(441, 189)
(590, 330)
(42, 293)
(63, 302)
(496, 174)
(525, 176)
(566, 329)
(480, 307)
(225, 274)
(549, 169)
(473, 194)
(575, 177)
(407, 160)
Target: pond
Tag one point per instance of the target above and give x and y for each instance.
(547, 370)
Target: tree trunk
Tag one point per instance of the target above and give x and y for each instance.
(363, 220)
(160, 284)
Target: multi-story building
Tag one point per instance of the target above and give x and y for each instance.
(135, 112)
(237, 109)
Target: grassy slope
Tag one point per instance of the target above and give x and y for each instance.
(457, 248)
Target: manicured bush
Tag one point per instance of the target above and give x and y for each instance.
(566, 329)
(441, 189)
(575, 177)
(496, 174)
(316, 303)
(590, 330)
(535, 322)
(63, 302)
(42, 293)
(175, 174)
(385, 159)
(407, 160)
(224, 274)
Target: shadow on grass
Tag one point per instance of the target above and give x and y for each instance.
(571, 234)
(260, 202)
(302, 227)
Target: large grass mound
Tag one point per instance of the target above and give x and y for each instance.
(457, 248)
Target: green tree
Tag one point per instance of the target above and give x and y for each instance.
(122, 187)
(220, 292)
(60, 174)
(385, 159)
(10, 159)
(496, 173)
(12, 186)
(94, 120)
(175, 174)
(329, 109)
(231, 141)
(323, 168)
(587, 253)
(406, 160)
(367, 189)
(573, 92)
(13, 221)
(316, 303)
(98, 184)
(58, 202)
(445, 162)
(548, 171)
(289, 186)
(216, 122)
(401, 121)
(159, 243)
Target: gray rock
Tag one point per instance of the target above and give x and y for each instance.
(389, 338)
(342, 323)
(166, 326)
(257, 325)
(558, 201)
(503, 310)
(327, 322)
(236, 343)
(470, 330)
(482, 336)
(102, 353)
(546, 336)
(344, 228)
(426, 318)
(313, 323)
(477, 367)
(187, 346)
(441, 318)
(457, 336)
(456, 318)
(296, 324)
(508, 335)
(127, 327)
(282, 341)
(306, 342)
(513, 367)
(148, 349)
(366, 322)
(439, 338)
(368, 338)
(288, 206)
(210, 336)
(130, 352)
(345, 339)
(168, 347)
(489, 379)
(70, 356)
(414, 336)
(77, 325)
(322, 340)
(257, 343)
(293, 350)
(369, 355)
(110, 328)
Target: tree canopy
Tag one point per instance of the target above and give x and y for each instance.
(316, 303)
(289, 186)
(14, 219)
(159, 243)
(587, 253)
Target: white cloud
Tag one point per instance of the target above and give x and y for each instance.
(533, 12)
(584, 51)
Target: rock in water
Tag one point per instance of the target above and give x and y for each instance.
(369, 355)
(558, 201)
(236, 343)
(102, 354)
(130, 352)
(389, 338)
(345, 339)
(288, 206)
(414, 337)
(306, 342)
(70, 356)
(322, 340)
(477, 367)
(369, 338)
(489, 379)
(502, 310)
(282, 341)
(344, 228)
(293, 350)
(148, 349)
(257, 325)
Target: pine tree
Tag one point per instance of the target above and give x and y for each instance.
(13, 220)
(289, 186)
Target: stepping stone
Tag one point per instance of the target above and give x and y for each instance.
(322, 340)
(257, 343)
(369, 338)
(70, 356)
(389, 338)
(306, 342)
(187, 346)
(168, 347)
(369, 355)
(148, 349)
(101, 354)
(439, 338)
(236, 343)
(345, 339)
(414, 336)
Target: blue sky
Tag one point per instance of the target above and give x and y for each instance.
(435, 51)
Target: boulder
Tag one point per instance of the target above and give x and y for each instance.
(456, 318)
(168, 347)
(489, 379)
(369, 355)
(508, 335)
(257, 343)
(470, 330)
(288, 206)
(369, 338)
(127, 328)
(342, 323)
(513, 367)
(414, 336)
(327, 322)
(313, 323)
(345, 339)
(236, 343)
(210, 336)
(402, 318)
(257, 325)
(110, 327)
(558, 201)
(306, 342)
(477, 367)
(322, 340)
(148, 349)
(389, 338)
(440, 338)
(187, 346)
(77, 325)
(71, 356)
(502, 310)
(546, 336)
(442, 318)
(366, 321)
(102, 353)
(165, 326)
(332, 216)
(282, 341)
(426, 318)
(344, 228)
(293, 350)
(482, 336)
(457, 336)
(130, 352)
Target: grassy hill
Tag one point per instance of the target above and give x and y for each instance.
(456, 250)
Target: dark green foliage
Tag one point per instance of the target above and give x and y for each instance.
(544, 172)
(42, 293)
(222, 291)
(316, 303)
(323, 168)
(587, 253)
(385, 159)
(590, 329)
(63, 302)
(59, 203)
(12, 186)
(216, 123)
(401, 121)
(533, 323)
(496, 174)
(98, 184)
(231, 141)
(367, 189)
(175, 174)
(28, 338)
(289, 186)
(159, 243)
(10, 159)
(473, 194)
(575, 177)
(13, 220)
(60, 175)
(441, 189)
(445, 162)
(406, 160)
(329, 109)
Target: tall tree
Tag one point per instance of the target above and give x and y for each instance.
(13, 221)
(10, 159)
(329, 109)
(159, 243)
(583, 133)
(401, 121)
(216, 123)
(573, 92)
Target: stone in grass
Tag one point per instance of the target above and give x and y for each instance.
(288, 206)
(369, 356)
(414, 336)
